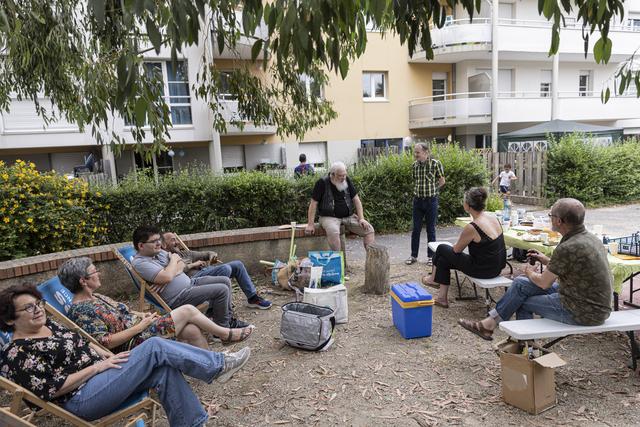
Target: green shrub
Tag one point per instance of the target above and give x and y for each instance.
(44, 212)
(595, 175)
(495, 202)
(197, 201)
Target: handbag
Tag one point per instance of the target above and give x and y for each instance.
(334, 297)
(332, 263)
(307, 326)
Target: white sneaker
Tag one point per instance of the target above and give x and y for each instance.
(411, 260)
(232, 363)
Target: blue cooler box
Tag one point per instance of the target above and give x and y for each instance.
(412, 309)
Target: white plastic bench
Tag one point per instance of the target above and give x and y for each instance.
(486, 284)
(531, 329)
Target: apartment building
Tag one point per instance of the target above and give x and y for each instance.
(531, 86)
(387, 99)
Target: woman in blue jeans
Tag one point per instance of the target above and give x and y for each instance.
(60, 366)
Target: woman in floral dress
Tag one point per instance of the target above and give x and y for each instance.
(118, 329)
(61, 367)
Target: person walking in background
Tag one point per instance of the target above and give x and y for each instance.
(303, 168)
(428, 178)
(506, 176)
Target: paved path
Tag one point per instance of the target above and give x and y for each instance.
(616, 221)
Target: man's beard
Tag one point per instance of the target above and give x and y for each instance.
(341, 186)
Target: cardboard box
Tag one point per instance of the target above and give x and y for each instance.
(528, 384)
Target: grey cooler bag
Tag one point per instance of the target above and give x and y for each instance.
(307, 326)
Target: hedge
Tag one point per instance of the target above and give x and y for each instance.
(195, 201)
(595, 175)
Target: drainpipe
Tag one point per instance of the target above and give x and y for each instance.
(555, 85)
(494, 74)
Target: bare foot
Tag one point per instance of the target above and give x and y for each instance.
(428, 281)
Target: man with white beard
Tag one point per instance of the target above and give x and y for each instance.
(337, 202)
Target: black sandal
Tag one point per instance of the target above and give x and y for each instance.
(244, 334)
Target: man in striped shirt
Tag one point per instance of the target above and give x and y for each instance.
(428, 178)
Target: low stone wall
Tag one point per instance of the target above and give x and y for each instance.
(250, 245)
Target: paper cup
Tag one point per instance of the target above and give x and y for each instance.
(613, 248)
(544, 238)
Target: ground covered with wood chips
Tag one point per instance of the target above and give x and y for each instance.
(372, 376)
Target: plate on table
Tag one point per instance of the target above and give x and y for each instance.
(531, 238)
(521, 228)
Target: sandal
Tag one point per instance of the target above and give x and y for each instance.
(439, 304)
(476, 328)
(430, 284)
(244, 334)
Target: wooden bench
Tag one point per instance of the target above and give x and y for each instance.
(626, 321)
(486, 284)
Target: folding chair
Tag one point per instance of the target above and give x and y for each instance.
(125, 255)
(147, 293)
(21, 415)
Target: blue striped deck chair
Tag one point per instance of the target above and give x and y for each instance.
(18, 410)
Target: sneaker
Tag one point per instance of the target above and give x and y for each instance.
(411, 260)
(259, 303)
(237, 323)
(232, 363)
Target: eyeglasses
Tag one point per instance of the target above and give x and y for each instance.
(31, 308)
(86, 276)
(552, 215)
(154, 241)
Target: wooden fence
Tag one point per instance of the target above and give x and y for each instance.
(530, 168)
(368, 154)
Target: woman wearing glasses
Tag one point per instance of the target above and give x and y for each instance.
(60, 366)
(118, 329)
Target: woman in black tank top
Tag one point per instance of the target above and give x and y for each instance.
(487, 256)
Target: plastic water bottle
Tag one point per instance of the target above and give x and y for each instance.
(506, 210)
(514, 218)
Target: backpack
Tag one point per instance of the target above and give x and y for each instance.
(307, 326)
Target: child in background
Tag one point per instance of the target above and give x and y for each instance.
(506, 176)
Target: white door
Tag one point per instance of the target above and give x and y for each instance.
(316, 152)
(232, 156)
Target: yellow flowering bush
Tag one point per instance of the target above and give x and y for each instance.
(45, 212)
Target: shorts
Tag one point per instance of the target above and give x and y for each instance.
(332, 225)
(163, 327)
(504, 189)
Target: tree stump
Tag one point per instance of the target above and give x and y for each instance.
(376, 270)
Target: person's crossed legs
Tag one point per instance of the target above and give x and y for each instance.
(524, 299)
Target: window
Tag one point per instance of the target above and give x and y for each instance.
(584, 83)
(175, 82)
(312, 88)
(545, 83)
(439, 86)
(224, 92)
(374, 86)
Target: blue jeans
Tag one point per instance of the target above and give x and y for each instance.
(424, 208)
(157, 363)
(525, 298)
(235, 270)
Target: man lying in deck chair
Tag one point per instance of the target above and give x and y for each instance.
(583, 290)
(197, 265)
(166, 272)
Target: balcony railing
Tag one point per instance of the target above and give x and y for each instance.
(460, 32)
(230, 113)
(514, 107)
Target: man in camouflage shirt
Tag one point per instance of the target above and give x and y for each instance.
(576, 287)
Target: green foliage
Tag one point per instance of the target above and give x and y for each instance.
(495, 202)
(594, 175)
(42, 213)
(86, 57)
(198, 201)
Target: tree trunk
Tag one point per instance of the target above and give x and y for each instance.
(376, 270)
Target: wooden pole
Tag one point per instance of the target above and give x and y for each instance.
(376, 270)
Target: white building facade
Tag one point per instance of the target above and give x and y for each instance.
(531, 86)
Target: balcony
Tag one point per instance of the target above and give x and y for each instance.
(516, 107)
(229, 111)
(521, 40)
